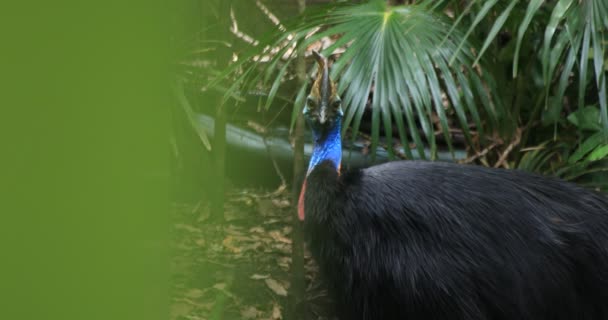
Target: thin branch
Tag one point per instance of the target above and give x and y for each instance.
(270, 15)
(276, 166)
(234, 28)
(505, 154)
(482, 153)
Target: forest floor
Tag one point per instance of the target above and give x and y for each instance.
(241, 268)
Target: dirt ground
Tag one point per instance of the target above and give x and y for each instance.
(240, 269)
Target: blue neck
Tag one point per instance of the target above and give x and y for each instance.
(328, 147)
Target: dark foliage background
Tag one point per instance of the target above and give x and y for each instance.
(506, 84)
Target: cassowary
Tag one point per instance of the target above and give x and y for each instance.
(429, 240)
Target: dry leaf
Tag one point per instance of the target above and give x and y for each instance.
(231, 215)
(234, 230)
(282, 248)
(266, 207)
(276, 235)
(276, 311)
(256, 230)
(256, 126)
(180, 310)
(281, 203)
(250, 247)
(280, 189)
(181, 226)
(205, 214)
(244, 199)
(227, 243)
(259, 276)
(276, 287)
(250, 313)
(242, 238)
(220, 286)
(271, 221)
(194, 293)
(284, 262)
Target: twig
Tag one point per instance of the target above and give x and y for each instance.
(218, 263)
(541, 147)
(270, 16)
(276, 168)
(234, 28)
(481, 153)
(505, 154)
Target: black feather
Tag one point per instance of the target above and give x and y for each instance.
(428, 240)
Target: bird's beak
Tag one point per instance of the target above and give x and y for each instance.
(323, 86)
(323, 115)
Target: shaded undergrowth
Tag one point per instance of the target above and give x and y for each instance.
(239, 269)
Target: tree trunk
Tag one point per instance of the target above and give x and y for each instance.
(298, 286)
(219, 143)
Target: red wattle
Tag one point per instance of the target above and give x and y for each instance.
(301, 202)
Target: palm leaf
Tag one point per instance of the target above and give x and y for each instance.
(533, 7)
(574, 34)
(178, 90)
(560, 159)
(401, 56)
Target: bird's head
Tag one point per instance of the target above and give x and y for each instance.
(323, 108)
(323, 112)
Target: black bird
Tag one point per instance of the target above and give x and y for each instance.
(429, 240)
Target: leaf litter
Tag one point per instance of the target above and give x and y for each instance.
(241, 267)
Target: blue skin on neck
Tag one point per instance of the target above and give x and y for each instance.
(328, 147)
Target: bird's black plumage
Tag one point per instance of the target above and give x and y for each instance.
(429, 240)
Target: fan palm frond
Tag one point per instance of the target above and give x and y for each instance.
(404, 56)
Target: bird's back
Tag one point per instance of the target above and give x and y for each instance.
(436, 240)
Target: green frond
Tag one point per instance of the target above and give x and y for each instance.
(414, 65)
(574, 40)
(178, 90)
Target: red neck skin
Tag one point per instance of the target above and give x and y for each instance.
(301, 198)
(301, 202)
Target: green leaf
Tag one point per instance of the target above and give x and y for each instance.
(480, 15)
(603, 103)
(549, 69)
(558, 13)
(533, 7)
(599, 153)
(470, 102)
(399, 55)
(598, 63)
(298, 106)
(535, 160)
(591, 143)
(456, 23)
(565, 76)
(451, 86)
(587, 118)
(552, 114)
(598, 48)
(500, 21)
(275, 86)
(582, 82)
(183, 102)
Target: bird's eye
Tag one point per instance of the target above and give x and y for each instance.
(311, 102)
(336, 103)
